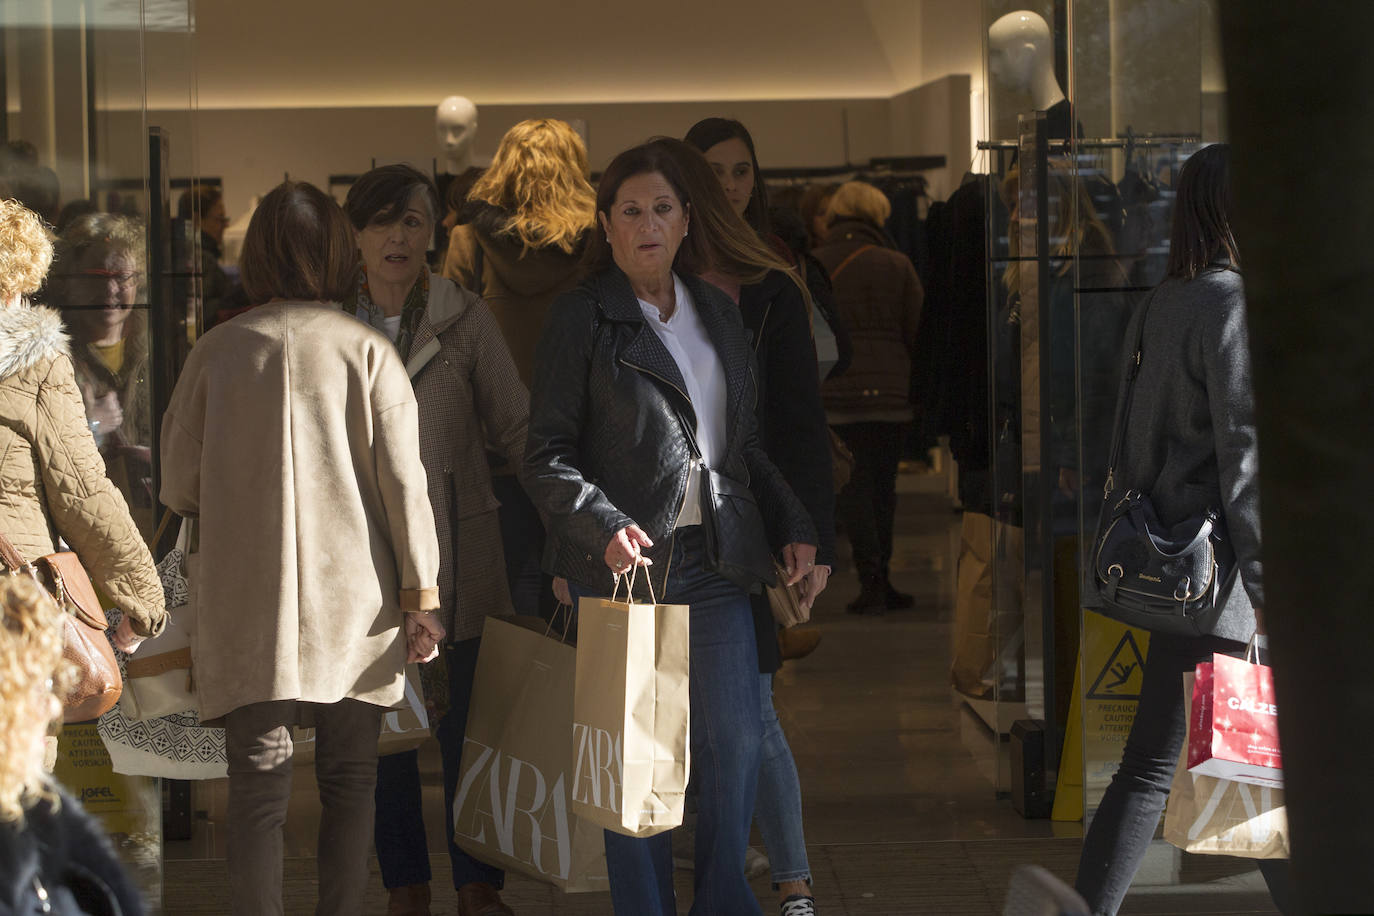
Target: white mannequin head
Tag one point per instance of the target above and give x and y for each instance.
(455, 124)
(1021, 54)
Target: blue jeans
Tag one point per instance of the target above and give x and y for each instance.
(399, 831)
(1126, 820)
(725, 746)
(778, 808)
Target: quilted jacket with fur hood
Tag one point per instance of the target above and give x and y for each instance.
(52, 478)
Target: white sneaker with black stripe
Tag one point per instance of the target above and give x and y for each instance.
(798, 905)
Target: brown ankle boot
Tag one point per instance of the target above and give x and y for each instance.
(481, 899)
(411, 900)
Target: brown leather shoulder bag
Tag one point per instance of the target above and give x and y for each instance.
(97, 683)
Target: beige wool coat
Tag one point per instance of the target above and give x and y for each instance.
(292, 435)
(52, 478)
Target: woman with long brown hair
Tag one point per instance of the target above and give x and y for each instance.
(793, 432)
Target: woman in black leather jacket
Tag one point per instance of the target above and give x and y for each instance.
(643, 449)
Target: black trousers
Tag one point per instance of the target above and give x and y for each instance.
(867, 505)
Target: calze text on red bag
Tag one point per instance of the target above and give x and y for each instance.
(1233, 730)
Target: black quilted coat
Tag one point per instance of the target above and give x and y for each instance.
(608, 437)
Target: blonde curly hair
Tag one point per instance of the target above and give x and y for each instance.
(25, 250)
(540, 174)
(32, 674)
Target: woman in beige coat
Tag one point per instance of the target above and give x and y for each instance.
(292, 436)
(52, 478)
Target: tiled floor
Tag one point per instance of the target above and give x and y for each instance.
(901, 817)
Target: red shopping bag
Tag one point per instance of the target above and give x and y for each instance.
(1233, 728)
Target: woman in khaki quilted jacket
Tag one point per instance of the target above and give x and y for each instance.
(52, 478)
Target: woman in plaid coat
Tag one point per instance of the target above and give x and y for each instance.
(470, 398)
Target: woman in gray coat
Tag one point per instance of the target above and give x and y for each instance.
(1190, 445)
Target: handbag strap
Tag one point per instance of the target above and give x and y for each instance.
(10, 556)
(1123, 406)
(849, 260)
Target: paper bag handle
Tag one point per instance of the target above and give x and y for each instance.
(630, 576)
(567, 621)
(1257, 642)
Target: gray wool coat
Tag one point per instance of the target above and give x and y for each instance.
(1190, 439)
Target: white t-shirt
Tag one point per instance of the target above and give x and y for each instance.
(690, 346)
(390, 325)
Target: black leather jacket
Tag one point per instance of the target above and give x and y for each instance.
(608, 437)
(792, 428)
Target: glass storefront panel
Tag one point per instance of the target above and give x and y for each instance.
(1093, 105)
(85, 84)
(1138, 89)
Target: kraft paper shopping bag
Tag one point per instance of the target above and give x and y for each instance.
(631, 711)
(1212, 816)
(983, 622)
(512, 804)
(1233, 729)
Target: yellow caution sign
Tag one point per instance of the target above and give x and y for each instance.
(128, 807)
(1112, 655)
(1121, 675)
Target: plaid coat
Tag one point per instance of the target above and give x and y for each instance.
(471, 399)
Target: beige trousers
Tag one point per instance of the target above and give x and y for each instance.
(258, 738)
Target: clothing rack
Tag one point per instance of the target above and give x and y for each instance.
(877, 167)
(1125, 142)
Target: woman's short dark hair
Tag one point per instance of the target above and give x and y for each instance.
(380, 196)
(1201, 233)
(706, 133)
(298, 246)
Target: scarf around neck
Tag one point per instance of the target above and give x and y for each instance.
(362, 306)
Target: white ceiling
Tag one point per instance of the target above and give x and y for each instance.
(328, 53)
